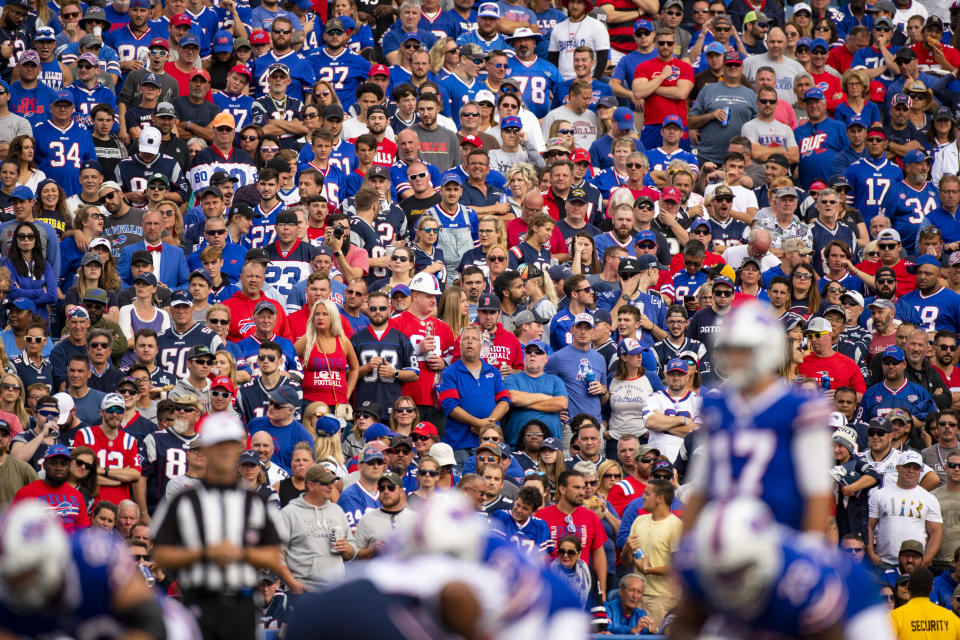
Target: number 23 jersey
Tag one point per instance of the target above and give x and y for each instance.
(775, 446)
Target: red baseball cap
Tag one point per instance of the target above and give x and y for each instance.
(817, 186)
(200, 72)
(425, 429)
(475, 141)
(242, 69)
(160, 42)
(671, 193)
(259, 36)
(878, 92)
(180, 20)
(580, 155)
(379, 70)
(224, 383)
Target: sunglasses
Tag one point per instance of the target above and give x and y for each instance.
(206, 362)
(127, 391)
(430, 473)
(488, 459)
(646, 460)
(400, 258)
(26, 236)
(34, 339)
(50, 413)
(664, 43)
(269, 357)
(338, 32)
(566, 132)
(496, 258)
(722, 293)
(418, 176)
(218, 321)
(114, 411)
(466, 114)
(418, 438)
(947, 347)
(386, 487)
(404, 410)
(590, 483)
(888, 247)
(365, 414)
(249, 138)
(223, 395)
(277, 405)
(567, 553)
(885, 280)
(380, 308)
(83, 465)
(269, 149)
(612, 476)
(876, 433)
(953, 465)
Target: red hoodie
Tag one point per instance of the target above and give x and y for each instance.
(241, 317)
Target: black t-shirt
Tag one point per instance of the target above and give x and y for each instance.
(414, 206)
(201, 114)
(109, 153)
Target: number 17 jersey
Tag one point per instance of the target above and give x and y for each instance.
(775, 447)
(871, 181)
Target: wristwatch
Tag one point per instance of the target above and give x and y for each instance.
(396, 374)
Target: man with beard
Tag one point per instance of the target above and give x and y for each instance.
(937, 306)
(376, 526)
(119, 450)
(387, 358)
(278, 111)
(854, 478)
(14, 473)
(67, 503)
(542, 78)
(124, 226)
(166, 450)
(438, 146)
(944, 354)
(909, 199)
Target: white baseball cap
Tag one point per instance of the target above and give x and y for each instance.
(220, 427)
(150, 139)
(443, 454)
(65, 404)
(425, 283)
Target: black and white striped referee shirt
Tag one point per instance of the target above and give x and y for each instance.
(206, 515)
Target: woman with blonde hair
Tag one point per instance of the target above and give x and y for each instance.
(855, 85)
(225, 366)
(551, 464)
(330, 365)
(326, 433)
(491, 233)
(13, 406)
(454, 309)
(444, 56)
(172, 222)
(522, 179)
(563, 130)
(540, 291)
(922, 104)
(404, 415)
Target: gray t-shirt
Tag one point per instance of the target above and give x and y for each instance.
(378, 525)
(769, 134)
(123, 231)
(786, 70)
(584, 124)
(439, 147)
(950, 510)
(714, 136)
(12, 126)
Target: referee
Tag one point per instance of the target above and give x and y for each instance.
(218, 536)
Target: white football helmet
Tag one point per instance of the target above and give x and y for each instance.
(750, 326)
(447, 524)
(34, 550)
(738, 553)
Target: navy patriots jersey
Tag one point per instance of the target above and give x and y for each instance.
(393, 348)
(173, 347)
(166, 459)
(253, 399)
(289, 109)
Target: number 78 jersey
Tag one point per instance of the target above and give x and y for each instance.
(775, 447)
(539, 82)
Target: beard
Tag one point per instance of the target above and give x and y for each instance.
(180, 427)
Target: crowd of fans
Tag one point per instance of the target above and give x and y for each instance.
(486, 247)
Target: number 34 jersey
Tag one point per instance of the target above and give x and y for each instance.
(775, 446)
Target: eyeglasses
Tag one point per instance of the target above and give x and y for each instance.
(99, 345)
(26, 236)
(224, 322)
(34, 339)
(223, 395)
(634, 165)
(888, 246)
(83, 465)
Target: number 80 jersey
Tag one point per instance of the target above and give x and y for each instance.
(775, 447)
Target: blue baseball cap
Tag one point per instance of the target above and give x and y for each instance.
(672, 119)
(451, 176)
(813, 93)
(44, 33)
(22, 192)
(181, 297)
(412, 36)
(539, 344)
(370, 454)
(377, 430)
(285, 394)
(715, 47)
(223, 42)
(511, 122)
(348, 23)
(553, 444)
(602, 315)
(623, 116)
(700, 222)
(147, 278)
(328, 425)
(250, 457)
(914, 156)
(188, 40)
(150, 78)
(894, 352)
(804, 42)
(857, 121)
(677, 364)
(922, 260)
(642, 23)
(644, 236)
(647, 261)
(62, 96)
(139, 4)
(401, 289)
(57, 450)
(723, 280)
(24, 304)
(819, 42)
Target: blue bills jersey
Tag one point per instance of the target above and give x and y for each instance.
(871, 181)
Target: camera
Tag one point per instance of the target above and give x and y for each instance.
(338, 232)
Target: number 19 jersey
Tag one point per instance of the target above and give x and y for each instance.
(775, 447)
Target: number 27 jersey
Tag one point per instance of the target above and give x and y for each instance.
(775, 447)
(345, 72)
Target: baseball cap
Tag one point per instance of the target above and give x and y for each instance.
(672, 119)
(797, 245)
(257, 254)
(223, 42)
(623, 116)
(511, 122)
(30, 55)
(392, 478)
(425, 429)
(264, 305)
(583, 318)
(818, 325)
(642, 23)
(813, 93)
(910, 456)
(95, 295)
(677, 364)
(57, 450)
(577, 194)
(910, 545)
(425, 283)
(722, 280)
(223, 382)
(852, 295)
(181, 297)
(379, 70)
(488, 302)
(914, 155)
(922, 260)
(285, 394)
(377, 430)
(451, 176)
(112, 400)
(629, 346)
(473, 140)
(249, 457)
(882, 303)
(629, 266)
(369, 454)
(443, 454)
(715, 47)
(893, 352)
(819, 43)
(150, 139)
(328, 425)
(165, 109)
(371, 407)
(553, 444)
(25, 304)
(221, 427)
(278, 66)
(889, 234)
(484, 95)
(22, 192)
(401, 289)
(147, 278)
(732, 57)
(258, 36)
(224, 119)
(489, 10)
(191, 40)
(671, 193)
(536, 344)
(181, 20)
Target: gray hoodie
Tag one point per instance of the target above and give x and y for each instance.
(308, 551)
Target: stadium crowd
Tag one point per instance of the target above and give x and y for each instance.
(491, 248)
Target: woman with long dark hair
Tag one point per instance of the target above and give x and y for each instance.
(32, 276)
(51, 206)
(22, 150)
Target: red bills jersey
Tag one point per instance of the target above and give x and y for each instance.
(119, 453)
(414, 328)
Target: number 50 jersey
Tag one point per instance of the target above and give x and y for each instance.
(775, 447)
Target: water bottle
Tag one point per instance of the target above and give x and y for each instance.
(147, 576)
(638, 554)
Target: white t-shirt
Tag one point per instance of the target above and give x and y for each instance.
(734, 256)
(743, 198)
(902, 514)
(660, 402)
(887, 468)
(567, 36)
